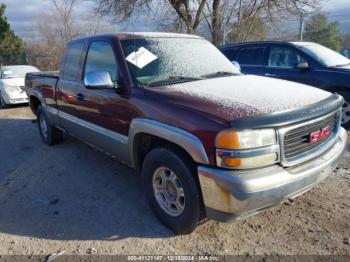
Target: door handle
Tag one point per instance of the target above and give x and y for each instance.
(80, 96)
(270, 75)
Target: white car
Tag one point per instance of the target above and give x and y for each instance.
(12, 84)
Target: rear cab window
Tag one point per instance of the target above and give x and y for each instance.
(71, 67)
(253, 56)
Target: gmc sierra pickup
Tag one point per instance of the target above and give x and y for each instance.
(207, 141)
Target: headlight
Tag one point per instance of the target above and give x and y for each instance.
(232, 139)
(246, 148)
(10, 88)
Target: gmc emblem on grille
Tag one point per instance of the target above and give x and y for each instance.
(319, 135)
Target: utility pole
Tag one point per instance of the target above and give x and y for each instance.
(301, 27)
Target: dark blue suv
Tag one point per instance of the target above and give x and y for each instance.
(303, 62)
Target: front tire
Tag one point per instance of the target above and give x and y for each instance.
(48, 133)
(171, 190)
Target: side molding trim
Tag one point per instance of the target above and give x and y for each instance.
(95, 128)
(120, 145)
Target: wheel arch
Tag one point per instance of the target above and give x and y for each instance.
(146, 134)
(36, 99)
(34, 102)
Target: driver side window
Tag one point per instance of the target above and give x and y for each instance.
(284, 57)
(101, 58)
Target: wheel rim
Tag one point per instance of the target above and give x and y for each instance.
(346, 113)
(43, 125)
(2, 102)
(168, 191)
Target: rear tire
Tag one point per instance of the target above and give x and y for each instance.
(48, 133)
(346, 115)
(177, 204)
(2, 102)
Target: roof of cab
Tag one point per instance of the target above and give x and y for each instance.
(303, 43)
(132, 35)
(265, 42)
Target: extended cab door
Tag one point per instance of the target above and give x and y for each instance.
(66, 90)
(102, 112)
(283, 61)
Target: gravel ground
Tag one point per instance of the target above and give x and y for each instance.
(72, 197)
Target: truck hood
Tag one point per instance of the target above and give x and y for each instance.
(13, 81)
(230, 98)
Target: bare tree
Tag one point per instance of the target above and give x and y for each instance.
(218, 16)
(59, 25)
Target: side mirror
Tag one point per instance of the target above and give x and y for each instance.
(237, 65)
(98, 80)
(303, 65)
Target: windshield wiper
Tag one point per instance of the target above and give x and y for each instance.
(219, 74)
(173, 79)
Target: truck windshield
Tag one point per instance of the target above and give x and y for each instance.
(158, 61)
(324, 55)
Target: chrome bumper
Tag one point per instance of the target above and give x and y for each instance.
(237, 194)
(13, 100)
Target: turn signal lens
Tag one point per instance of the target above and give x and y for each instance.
(231, 162)
(248, 162)
(227, 139)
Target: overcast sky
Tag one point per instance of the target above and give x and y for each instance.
(22, 15)
(337, 4)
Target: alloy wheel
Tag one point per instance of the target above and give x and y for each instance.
(43, 126)
(168, 191)
(2, 102)
(346, 113)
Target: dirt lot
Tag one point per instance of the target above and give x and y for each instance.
(71, 197)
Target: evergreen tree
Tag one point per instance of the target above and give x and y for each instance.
(319, 30)
(11, 46)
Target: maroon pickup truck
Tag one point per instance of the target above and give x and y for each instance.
(207, 141)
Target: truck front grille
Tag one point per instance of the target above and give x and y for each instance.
(296, 140)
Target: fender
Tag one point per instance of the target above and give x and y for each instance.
(184, 139)
(51, 111)
(35, 93)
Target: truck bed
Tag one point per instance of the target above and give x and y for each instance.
(39, 79)
(50, 74)
(44, 82)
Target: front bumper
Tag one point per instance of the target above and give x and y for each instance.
(231, 194)
(15, 98)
